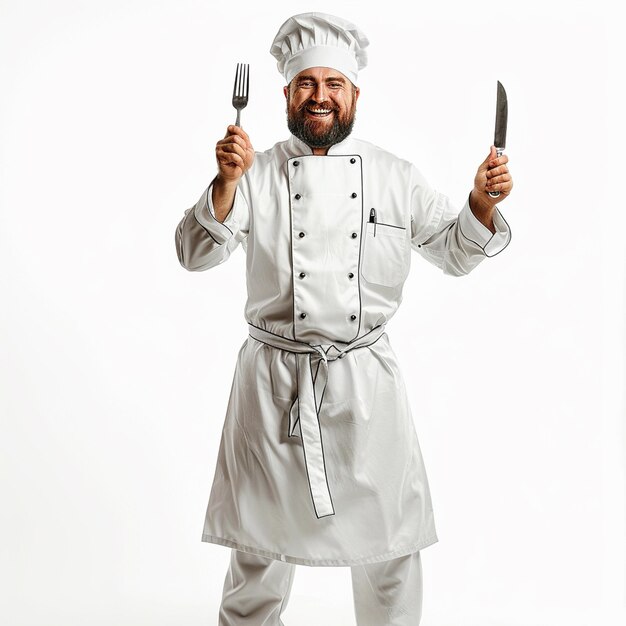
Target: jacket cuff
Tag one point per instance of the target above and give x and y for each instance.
(475, 231)
(204, 213)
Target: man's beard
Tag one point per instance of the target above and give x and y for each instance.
(303, 127)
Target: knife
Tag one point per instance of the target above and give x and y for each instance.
(499, 135)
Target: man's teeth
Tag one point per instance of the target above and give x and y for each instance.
(319, 111)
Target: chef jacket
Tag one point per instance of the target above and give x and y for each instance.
(319, 462)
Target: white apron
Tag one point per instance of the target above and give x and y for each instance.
(319, 462)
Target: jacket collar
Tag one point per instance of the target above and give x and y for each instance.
(297, 147)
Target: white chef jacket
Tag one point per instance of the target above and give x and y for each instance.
(319, 462)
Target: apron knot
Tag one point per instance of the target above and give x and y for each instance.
(312, 378)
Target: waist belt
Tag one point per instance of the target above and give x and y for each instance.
(312, 377)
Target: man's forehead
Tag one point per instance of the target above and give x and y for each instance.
(321, 73)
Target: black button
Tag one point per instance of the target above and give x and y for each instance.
(301, 235)
(354, 235)
(302, 315)
(296, 163)
(302, 274)
(353, 317)
(354, 195)
(352, 160)
(298, 196)
(350, 275)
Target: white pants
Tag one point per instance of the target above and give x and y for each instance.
(256, 591)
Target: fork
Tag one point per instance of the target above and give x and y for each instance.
(241, 88)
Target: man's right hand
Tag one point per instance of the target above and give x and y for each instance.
(235, 156)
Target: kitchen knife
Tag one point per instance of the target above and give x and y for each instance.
(499, 136)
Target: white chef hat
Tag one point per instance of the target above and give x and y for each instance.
(319, 40)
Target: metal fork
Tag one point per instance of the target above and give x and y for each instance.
(241, 88)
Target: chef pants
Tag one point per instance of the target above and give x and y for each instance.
(257, 589)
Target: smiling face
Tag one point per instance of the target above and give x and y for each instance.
(321, 105)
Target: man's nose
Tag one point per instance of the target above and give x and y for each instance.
(320, 93)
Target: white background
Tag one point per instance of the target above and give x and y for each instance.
(116, 364)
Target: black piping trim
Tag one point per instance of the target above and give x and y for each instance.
(204, 228)
(323, 390)
(313, 384)
(390, 225)
(271, 346)
(322, 398)
(341, 156)
(298, 401)
(222, 223)
(365, 346)
(323, 394)
(369, 332)
(306, 467)
(330, 495)
(374, 342)
(317, 370)
(489, 256)
(319, 427)
(293, 286)
(358, 270)
(304, 343)
(332, 345)
(291, 409)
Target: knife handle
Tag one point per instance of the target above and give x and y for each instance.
(496, 194)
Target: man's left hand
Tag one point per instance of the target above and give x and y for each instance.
(492, 175)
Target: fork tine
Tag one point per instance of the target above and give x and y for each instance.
(236, 79)
(247, 80)
(243, 78)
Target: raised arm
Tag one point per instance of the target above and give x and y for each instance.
(454, 241)
(214, 227)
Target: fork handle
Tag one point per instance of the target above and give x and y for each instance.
(496, 194)
(238, 113)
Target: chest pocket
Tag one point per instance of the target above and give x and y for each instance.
(386, 254)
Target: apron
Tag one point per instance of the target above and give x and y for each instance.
(319, 461)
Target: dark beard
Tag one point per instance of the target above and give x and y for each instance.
(302, 127)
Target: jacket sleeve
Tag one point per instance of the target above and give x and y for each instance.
(456, 242)
(202, 241)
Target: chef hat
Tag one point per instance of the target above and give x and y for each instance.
(319, 40)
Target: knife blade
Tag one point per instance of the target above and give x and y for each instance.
(499, 135)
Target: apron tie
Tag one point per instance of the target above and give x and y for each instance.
(312, 378)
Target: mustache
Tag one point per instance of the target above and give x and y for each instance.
(318, 105)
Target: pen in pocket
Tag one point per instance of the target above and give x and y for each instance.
(373, 219)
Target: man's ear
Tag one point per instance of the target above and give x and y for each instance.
(286, 91)
(357, 93)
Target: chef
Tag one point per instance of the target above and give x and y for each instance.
(319, 462)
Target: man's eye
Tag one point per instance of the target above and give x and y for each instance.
(306, 85)
(335, 85)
